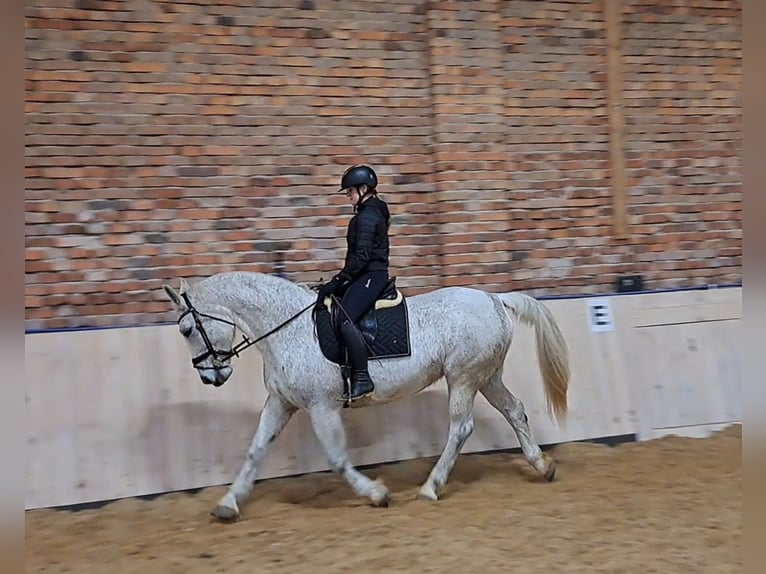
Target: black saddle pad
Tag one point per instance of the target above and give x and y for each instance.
(386, 331)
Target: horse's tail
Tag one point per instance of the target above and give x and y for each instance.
(552, 351)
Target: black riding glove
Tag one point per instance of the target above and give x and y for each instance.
(329, 288)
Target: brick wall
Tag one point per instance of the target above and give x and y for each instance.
(177, 139)
(683, 105)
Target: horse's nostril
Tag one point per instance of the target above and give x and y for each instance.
(215, 377)
(208, 376)
(224, 373)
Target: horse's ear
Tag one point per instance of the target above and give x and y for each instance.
(184, 286)
(174, 297)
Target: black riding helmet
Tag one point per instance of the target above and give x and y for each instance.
(359, 175)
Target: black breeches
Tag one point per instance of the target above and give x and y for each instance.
(360, 295)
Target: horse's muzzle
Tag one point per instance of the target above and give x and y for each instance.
(215, 376)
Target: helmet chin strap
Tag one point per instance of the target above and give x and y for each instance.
(362, 196)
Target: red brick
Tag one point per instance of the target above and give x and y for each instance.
(487, 122)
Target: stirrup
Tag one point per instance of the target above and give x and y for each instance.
(347, 396)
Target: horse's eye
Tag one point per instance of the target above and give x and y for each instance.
(186, 331)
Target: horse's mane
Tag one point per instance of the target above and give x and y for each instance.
(212, 280)
(304, 286)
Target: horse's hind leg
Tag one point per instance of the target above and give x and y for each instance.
(461, 398)
(512, 409)
(328, 427)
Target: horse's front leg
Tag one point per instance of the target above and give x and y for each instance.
(276, 413)
(328, 427)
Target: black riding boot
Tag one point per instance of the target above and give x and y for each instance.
(361, 384)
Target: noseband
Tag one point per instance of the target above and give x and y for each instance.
(218, 355)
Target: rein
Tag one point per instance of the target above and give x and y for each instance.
(239, 347)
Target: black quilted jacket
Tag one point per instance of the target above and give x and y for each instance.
(367, 240)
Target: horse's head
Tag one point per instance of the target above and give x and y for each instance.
(209, 332)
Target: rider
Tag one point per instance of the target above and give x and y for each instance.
(365, 273)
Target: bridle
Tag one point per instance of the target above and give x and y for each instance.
(218, 355)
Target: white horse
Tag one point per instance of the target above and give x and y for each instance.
(459, 333)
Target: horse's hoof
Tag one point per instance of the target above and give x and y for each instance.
(546, 466)
(383, 502)
(224, 513)
(427, 493)
(380, 496)
(550, 474)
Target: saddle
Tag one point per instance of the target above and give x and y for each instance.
(385, 327)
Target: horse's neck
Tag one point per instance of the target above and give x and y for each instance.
(259, 303)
